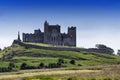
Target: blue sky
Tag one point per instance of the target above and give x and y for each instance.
(97, 21)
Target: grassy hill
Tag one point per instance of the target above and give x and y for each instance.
(33, 57)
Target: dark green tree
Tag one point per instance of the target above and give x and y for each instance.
(104, 48)
(11, 66)
(52, 65)
(61, 60)
(41, 65)
(23, 66)
(72, 62)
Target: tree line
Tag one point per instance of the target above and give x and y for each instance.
(23, 66)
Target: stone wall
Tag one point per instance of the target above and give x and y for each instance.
(59, 48)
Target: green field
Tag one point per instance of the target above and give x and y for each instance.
(108, 72)
(33, 57)
(87, 65)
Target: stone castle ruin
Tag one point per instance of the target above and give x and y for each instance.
(52, 35)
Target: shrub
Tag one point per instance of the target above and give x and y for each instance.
(54, 65)
(72, 62)
(5, 69)
(41, 65)
(59, 64)
(71, 79)
(118, 62)
(108, 79)
(93, 79)
(60, 60)
(79, 65)
(30, 67)
(23, 66)
(12, 65)
(104, 49)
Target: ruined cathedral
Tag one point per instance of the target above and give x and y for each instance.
(52, 35)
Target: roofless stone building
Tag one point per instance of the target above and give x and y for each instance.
(52, 35)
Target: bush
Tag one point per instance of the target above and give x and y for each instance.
(60, 60)
(118, 62)
(41, 65)
(23, 66)
(12, 65)
(59, 64)
(79, 65)
(104, 49)
(30, 67)
(72, 78)
(54, 65)
(5, 69)
(72, 62)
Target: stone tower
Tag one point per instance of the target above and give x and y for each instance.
(19, 36)
(46, 24)
(72, 35)
(52, 34)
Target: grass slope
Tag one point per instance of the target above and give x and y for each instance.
(34, 57)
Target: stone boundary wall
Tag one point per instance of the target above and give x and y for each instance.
(60, 48)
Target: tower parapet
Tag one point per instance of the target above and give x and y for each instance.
(72, 34)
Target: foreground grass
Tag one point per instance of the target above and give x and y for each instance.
(43, 73)
(106, 73)
(110, 72)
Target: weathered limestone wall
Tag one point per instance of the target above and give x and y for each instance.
(59, 48)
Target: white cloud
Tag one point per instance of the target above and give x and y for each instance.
(4, 42)
(88, 39)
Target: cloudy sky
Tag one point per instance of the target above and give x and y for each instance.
(97, 21)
